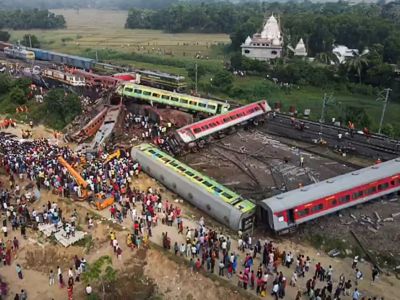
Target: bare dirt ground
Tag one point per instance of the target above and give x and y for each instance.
(253, 164)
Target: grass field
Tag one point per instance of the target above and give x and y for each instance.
(97, 29)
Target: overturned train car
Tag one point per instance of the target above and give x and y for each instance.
(211, 197)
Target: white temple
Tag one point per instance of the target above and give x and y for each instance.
(265, 45)
(300, 49)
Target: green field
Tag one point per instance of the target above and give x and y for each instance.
(100, 29)
(89, 29)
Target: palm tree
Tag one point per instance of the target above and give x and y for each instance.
(356, 64)
(327, 58)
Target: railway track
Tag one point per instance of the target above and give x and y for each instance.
(373, 146)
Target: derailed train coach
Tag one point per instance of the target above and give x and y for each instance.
(287, 210)
(222, 204)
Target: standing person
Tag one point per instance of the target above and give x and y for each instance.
(359, 276)
(51, 277)
(275, 289)
(375, 273)
(221, 268)
(23, 295)
(356, 294)
(5, 229)
(18, 268)
(88, 290)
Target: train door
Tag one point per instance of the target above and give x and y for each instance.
(290, 215)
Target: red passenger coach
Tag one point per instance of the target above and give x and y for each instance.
(316, 200)
(209, 126)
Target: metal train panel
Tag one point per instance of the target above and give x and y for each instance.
(197, 196)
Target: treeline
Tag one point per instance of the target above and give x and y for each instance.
(319, 24)
(30, 19)
(99, 4)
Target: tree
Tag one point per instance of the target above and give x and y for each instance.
(60, 108)
(327, 58)
(5, 84)
(191, 69)
(388, 129)
(356, 115)
(101, 272)
(357, 64)
(17, 96)
(30, 40)
(223, 80)
(4, 36)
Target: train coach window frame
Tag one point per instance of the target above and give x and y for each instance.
(197, 130)
(210, 106)
(164, 97)
(357, 195)
(128, 90)
(198, 178)
(303, 212)
(204, 127)
(317, 207)
(174, 99)
(203, 105)
(207, 184)
(217, 189)
(371, 190)
(383, 186)
(227, 195)
(137, 91)
(194, 103)
(333, 202)
(344, 199)
(146, 93)
(183, 101)
(155, 95)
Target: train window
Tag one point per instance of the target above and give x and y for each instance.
(344, 199)
(180, 168)
(202, 104)
(233, 117)
(152, 151)
(371, 190)
(383, 186)
(205, 127)
(174, 99)
(317, 207)
(303, 212)
(217, 189)
(212, 124)
(197, 130)
(136, 91)
(397, 181)
(333, 202)
(189, 173)
(174, 164)
(165, 97)
(198, 178)
(226, 195)
(206, 183)
(146, 93)
(357, 195)
(392, 182)
(192, 103)
(166, 160)
(226, 119)
(211, 106)
(184, 101)
(129, 90)
(156, 95)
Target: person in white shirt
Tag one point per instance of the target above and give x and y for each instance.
(88, 290)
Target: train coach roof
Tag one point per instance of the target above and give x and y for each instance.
(332, 186)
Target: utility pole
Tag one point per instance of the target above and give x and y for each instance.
(383, 96)
(30, 41)
(97, 57)
(325, 101)
(196, 76)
